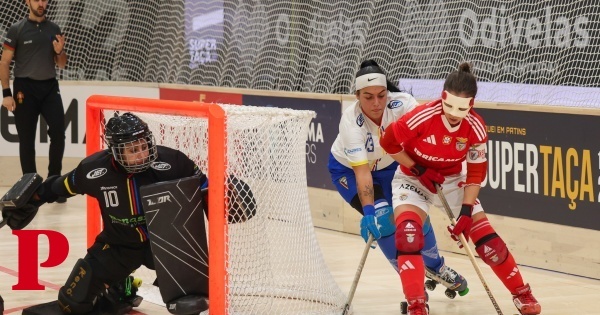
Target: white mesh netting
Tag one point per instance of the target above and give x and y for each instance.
(546, 50)
(275, 265)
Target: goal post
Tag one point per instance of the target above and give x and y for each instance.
(270, 262)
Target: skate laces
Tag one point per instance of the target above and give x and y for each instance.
(527, 298)
(128, 286)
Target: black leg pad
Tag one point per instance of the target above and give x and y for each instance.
(188, 305)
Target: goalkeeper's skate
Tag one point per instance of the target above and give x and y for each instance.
(121, 297)
(449, 278)
(525, 302)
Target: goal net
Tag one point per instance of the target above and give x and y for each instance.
(272, 262)
(317, 45)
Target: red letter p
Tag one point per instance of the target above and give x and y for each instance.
(58, 249)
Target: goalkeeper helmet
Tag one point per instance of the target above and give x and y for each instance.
(131, 142)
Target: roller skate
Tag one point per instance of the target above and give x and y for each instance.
(404, 304)
(449, 278)
(525, 302)
(121, 298)
(417, 307)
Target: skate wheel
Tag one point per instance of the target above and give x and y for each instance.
(430, 285)
(463, 292)
(137, 282)
(403, 307)
(450, 294)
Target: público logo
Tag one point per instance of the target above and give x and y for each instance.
(93, 174)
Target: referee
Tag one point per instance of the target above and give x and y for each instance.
(37, 46)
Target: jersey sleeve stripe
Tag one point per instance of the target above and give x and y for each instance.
(359, 163)
(477, 127)
(422, 116)
(68, 187)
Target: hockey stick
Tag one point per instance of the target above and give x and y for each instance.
(467, 249)
(361, 264)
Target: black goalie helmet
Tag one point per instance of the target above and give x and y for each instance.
(131, 142)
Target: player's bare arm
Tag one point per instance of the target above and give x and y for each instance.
(364, 184)
(7, 100)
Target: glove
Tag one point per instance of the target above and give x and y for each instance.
(18, 218)
(463, 224)
(427, 177)
(368, 224)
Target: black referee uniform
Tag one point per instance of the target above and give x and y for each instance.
(36, 91)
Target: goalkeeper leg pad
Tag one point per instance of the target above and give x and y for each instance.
(189, 304)
(77, 295)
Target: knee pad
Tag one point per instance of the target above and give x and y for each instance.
(409, 234)
(77, 296)
(492, 250)
(384, 214)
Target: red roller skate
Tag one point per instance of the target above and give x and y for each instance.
(525, 302)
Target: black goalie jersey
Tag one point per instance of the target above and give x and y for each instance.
(117, 192)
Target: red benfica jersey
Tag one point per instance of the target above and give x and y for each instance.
(432, 142)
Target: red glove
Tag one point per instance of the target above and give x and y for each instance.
(427, 177)
(463, 224)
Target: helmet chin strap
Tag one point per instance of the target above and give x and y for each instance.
(460, 105)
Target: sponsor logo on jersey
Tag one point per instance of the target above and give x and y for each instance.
(96, 173)
(433, 158)
(344, 182)
(351, 151)
(360, 120)
(447, 140)
(411, 188)
(461, 143)
(161, 166)
(131, 222)
(395, 104)
(403, 197)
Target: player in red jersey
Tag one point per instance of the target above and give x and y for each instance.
(431, 143)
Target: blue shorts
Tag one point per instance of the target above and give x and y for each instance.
(345, 181)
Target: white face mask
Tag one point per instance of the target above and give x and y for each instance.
(460, 105)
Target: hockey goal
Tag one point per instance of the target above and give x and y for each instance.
(271, 263)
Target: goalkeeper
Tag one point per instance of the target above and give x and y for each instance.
(114, 177)
(362, 172)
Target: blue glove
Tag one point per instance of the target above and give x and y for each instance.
(368, 224)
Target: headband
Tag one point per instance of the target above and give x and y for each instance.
(370, 79)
